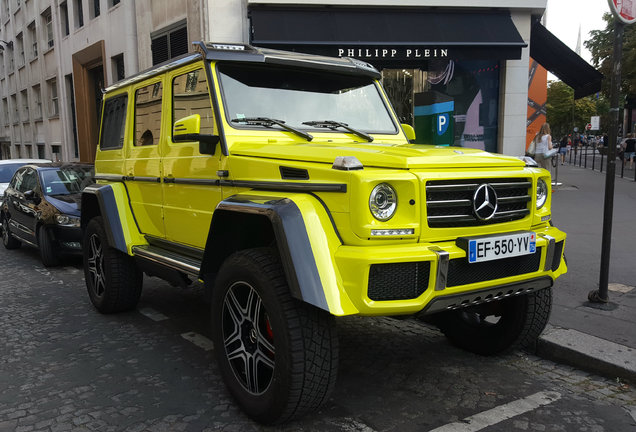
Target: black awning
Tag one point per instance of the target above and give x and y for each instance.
(567, 65)
(387, 34)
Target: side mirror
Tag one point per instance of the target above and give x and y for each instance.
(409, 132)
(188, 129)
(31, 195)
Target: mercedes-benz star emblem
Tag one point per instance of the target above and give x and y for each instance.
(485, 202)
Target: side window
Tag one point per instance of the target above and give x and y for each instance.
(148, 114)
(29, 181)
(16, 181)
(190, 96)
(114, 123)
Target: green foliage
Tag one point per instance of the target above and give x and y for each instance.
(563, 113)
(601, 45)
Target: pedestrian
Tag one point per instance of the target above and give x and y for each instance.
(628, 147)
(543, 145)
(563, 148)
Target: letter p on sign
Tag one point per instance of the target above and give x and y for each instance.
(442, 123)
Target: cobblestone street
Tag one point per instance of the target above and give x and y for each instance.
(66, 367)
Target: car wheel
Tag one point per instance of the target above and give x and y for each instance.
(50, 257)
(277, 355)
(8, 240)
(500, 326)
(112, 278)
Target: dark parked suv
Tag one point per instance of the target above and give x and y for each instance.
(41, 208)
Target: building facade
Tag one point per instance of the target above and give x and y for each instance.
(456, 70)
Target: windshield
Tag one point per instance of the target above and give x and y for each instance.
(7, 171)
(294, 96)
(66, 180)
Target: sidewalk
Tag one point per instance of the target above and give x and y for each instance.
(602, 340)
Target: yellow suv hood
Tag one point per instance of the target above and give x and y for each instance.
(381, 155)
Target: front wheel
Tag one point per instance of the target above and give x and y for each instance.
(49, 256)
(500, 326)
(112, 278)
(277, 355)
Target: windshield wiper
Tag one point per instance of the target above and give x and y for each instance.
(268, 122)
(333, 125)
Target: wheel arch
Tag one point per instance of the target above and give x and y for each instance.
(111, 202)
(248, 221)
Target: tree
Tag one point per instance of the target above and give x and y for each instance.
(564, 113)
(601, 45)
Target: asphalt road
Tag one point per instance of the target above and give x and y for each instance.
(63, 366)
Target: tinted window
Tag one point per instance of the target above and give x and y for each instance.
(113, 126)
(148, 114)
(29, 181)
(7, 171)
(66, 180)
(190, 96)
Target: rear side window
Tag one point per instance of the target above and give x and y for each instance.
(148, 114)
(113, 125)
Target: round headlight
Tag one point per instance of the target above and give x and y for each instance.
(542, 193)
(383, 202)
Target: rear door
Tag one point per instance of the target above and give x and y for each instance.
(143, 165)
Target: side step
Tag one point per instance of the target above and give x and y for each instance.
(167, 258)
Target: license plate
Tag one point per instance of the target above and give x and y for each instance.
(504, 246)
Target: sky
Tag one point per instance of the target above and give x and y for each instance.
(565, 16)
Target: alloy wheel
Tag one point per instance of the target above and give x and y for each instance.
(96, 265)
(248, 338)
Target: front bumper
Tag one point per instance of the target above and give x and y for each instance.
(67, 239)
(430, 277)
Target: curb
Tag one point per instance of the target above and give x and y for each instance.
(588, 353)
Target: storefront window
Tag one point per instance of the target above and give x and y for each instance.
(449, 102)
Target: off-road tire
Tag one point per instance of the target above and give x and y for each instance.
(113, 280)
(303, 361)
(522, 319)
(49, 256)
(8, 240)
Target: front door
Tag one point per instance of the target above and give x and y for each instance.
(190, 188)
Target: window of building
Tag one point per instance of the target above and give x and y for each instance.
(47, 20)
(1, 66)
(148, 114)
(54, 107)
(79, 13)
(169, 42)
(14, 107)
(114, 122)
(94, 8)
(5, 111)
(57, 152)
(10, 58)
(37, 102)
(64, 18)
(119, 72)
(449, 102)
(19, 39)
(41, 151)
(190, 96)
(112, 3)
(24, 99)
(33, 40)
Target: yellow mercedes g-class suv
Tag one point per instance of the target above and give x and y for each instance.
(285, 183)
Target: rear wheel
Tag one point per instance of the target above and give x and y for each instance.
(277, 355)
(112, 278)
(50, 257)
(500, 326)
(8, 240)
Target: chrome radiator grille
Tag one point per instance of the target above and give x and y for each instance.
(449, 203)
